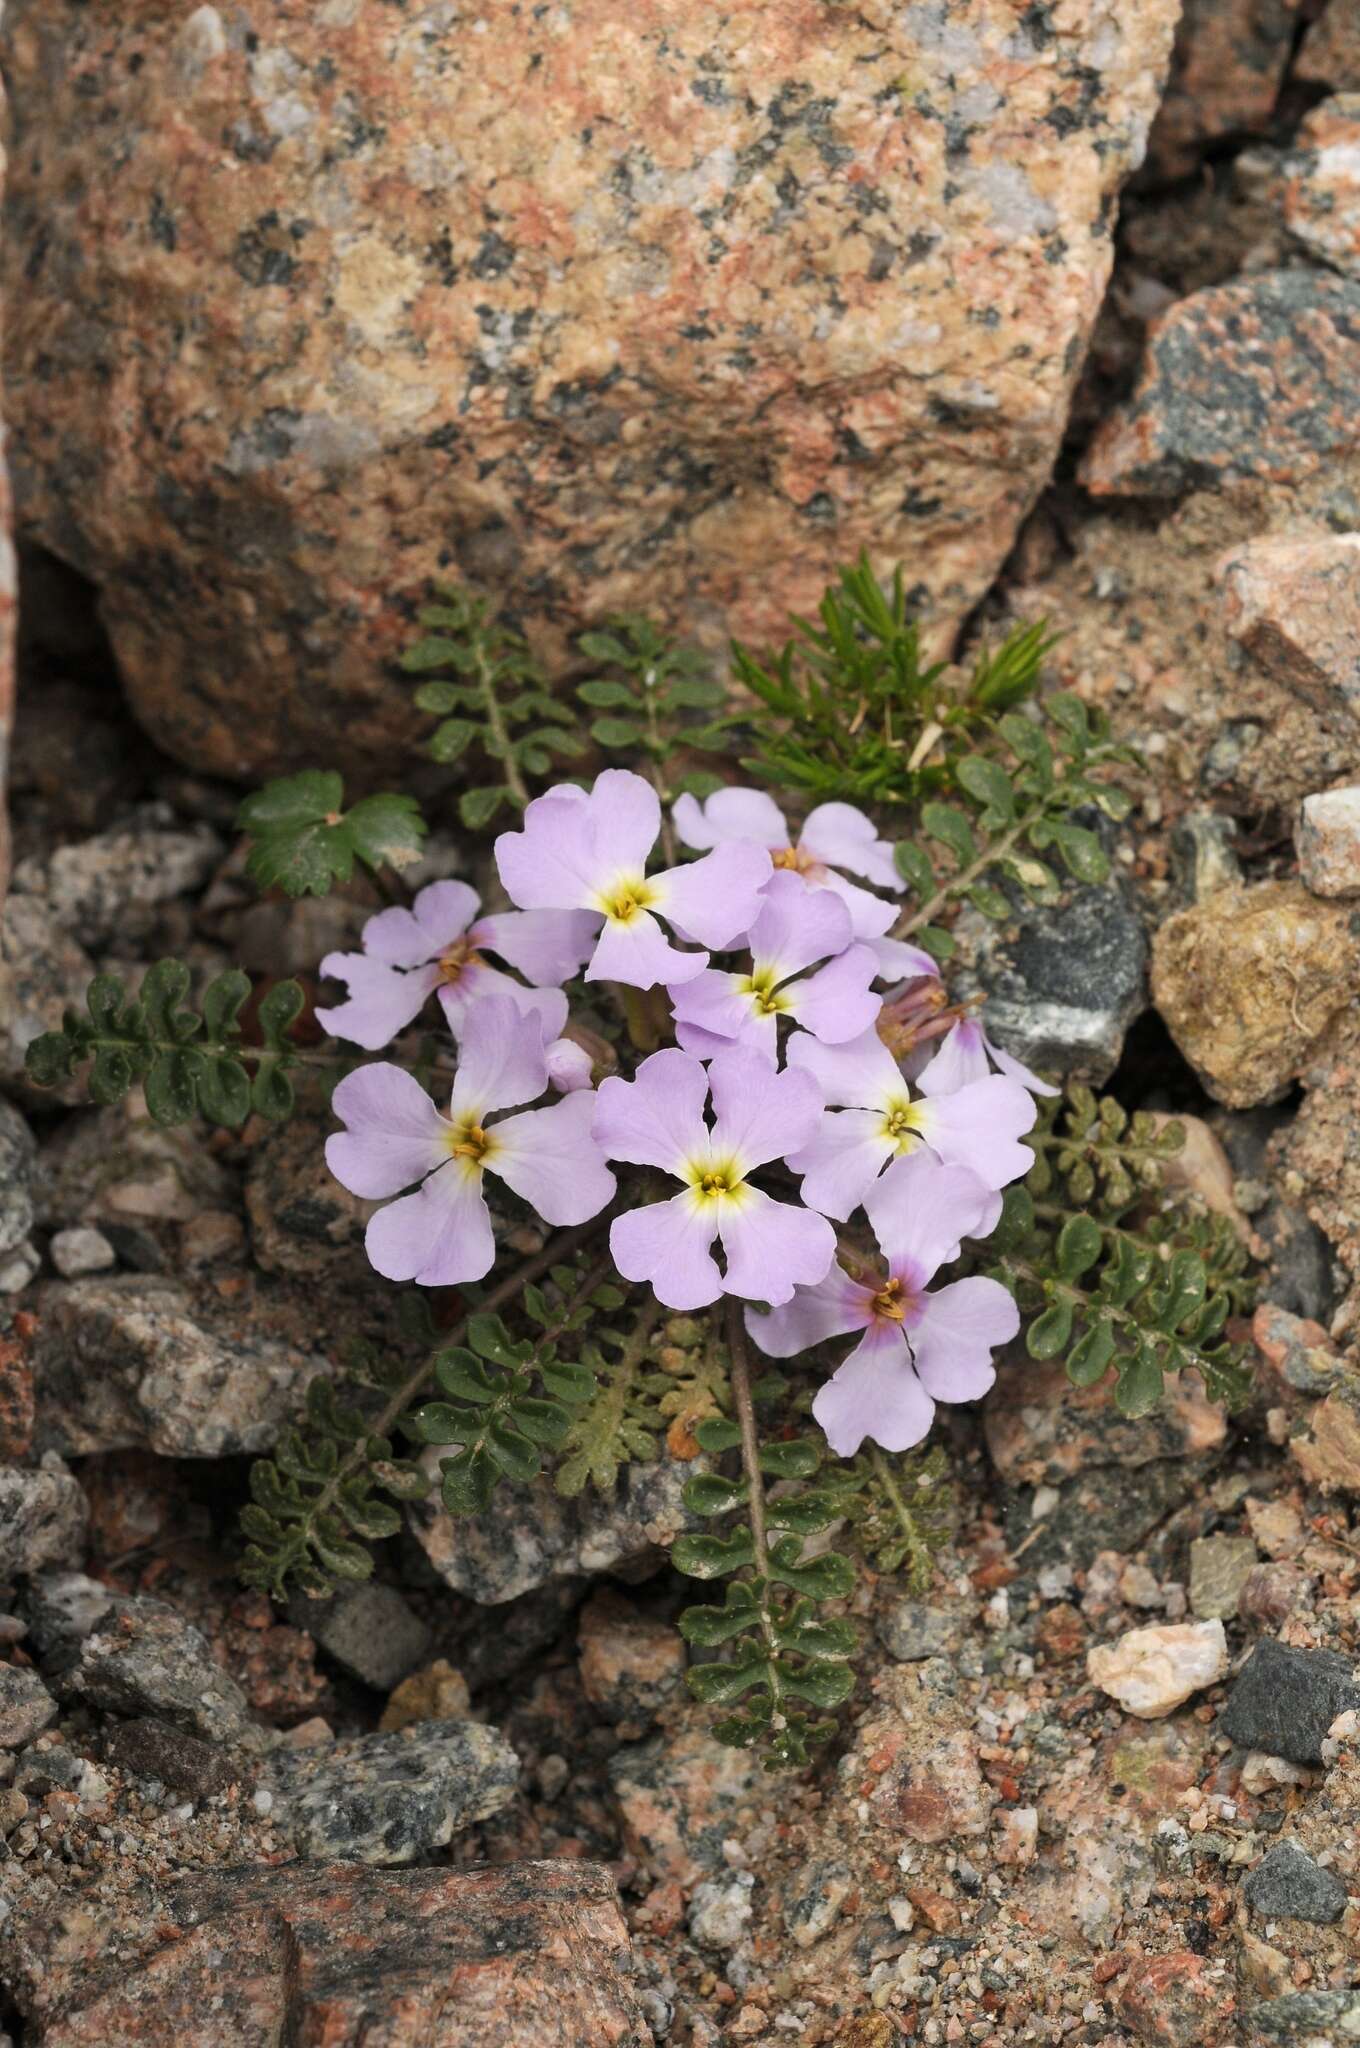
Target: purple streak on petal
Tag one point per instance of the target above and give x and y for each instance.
(500, 1059)
(773, 1247)
(979, 1126)
(759, 1114)
(1015, 1070)
(657, 1119)
(551, 863)
(477, 981)
(920, 1210)
(955, 1336)
(796, 926)
(640, 955)
(717, 899)
(551, 1161)
(730, 814)
(842, 1160)
(668, 1244)
(570, 1067)
(838, 1002)
(875, 1394)
(829, 1309)
(547, 946)
(382, 1000)
(440, 1236)
(842, 837)
(959, 1058)
(394, 1134)
(716, 1004)
(626, 817)
(862, 1073)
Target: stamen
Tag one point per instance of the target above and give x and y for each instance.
(460, 955)
(890, 1302)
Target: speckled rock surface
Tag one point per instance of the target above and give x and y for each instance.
(1285, 1699)
(1293, 601)
(112, 887)
(18, 1156)
(43, 1517)
(1226, 71)
(320, 300)
(1248, 982)
(144, 1658)
(1330, 52)
(1251, 379)
(1327, 842)
(394, 1798)
(1322, 192)
(42, 969)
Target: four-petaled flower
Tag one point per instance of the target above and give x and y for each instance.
(978, 1126)
(796, 927)
(436, 948)
(658, 1120)
(967, 1054)
(395, 1138)
(833, 836)
(588, 852)
(917, 1348)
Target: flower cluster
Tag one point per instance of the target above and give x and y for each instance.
(791, 1064)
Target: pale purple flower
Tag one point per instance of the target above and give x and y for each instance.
(833, 836)
(658, 1120)
(796, 928)
(395, 1138)
(918, 1347)
(587, 853)
(968, 1054)
(436, 948)
(978, 1126)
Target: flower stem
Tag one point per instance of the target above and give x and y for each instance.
(505, 751)
(917, 1551)
(743, 1405)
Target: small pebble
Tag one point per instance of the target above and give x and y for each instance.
(81, 1250)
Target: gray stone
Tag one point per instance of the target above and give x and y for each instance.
(1287, 1885)
(1219, 1568)
(301, 1220)
(123, 1363)
(816, 1897)
(19, 1267)
(387, 1799)
(112, 886)
(910, 1631)
(78, 1252)
(1304, 2019)
(62, 1608)
(26, 1706)
(145, 1658)
(116, 1169)
(18, 1154)
(1285, 1700)
(43, 1517)
(184, 1763)
(720, 1910)
(42, 970)
(1203, 856)
(369, 1629)
(1062, 983)
(530, 1535)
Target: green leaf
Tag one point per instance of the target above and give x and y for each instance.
(951, 828)
(915, 867)
(940, 944)
(1138, 1388)
(1089, 1359)
(477, 807)
(718, 1685)
(278, 1013)
(1078, 1247)
(709, 1557)
(707, 1627)
(490, 1339)
(271, 1092)
(436, 1422)
(451, 739)
(171, 1086)
(616, 732)
(303, 840)
(709, 1493)
(463, 1376)
(222, 1002)
(1050, 1332)
(1082, 852)
(798, 1459)
(607, 695)
(988, 783)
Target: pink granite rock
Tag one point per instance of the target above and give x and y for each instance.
(1330, 52)
(673, 307)
(1293, 601)
(1328, 842)
(1322, 186)
(1229, 64)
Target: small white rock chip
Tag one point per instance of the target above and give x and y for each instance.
(1016, 1835)
(1152, 1670)
(1328, 842)
(82, 1250)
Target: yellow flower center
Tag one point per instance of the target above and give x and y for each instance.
(890, 1303)
(469, 1142)
(462, 953)
(761, 985)
(713, 1180)
(793, 857)
(900, 1123)
(622, 901)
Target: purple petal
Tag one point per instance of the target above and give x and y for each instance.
(838, 1002)
(394, 1133)
(921, 1209)
(957, 1331)
(772, 1247)
(440, 1236)
(657, 1119)
(862, 1073)
(730, 814)
(500, 1059)
(960, 1057)
(875, 1394)
(639, 954)
(979, 1126)
(829, 1309)
(476, 981)
(870, 915)
(759, 1114)
(570, 1067)
(717, 899)
(842, 1160)
(547, 946)
(551, 1161)
(551, 864)
(1016, 1070)
(626, 818)
(796, 927)
(668, 1244)
(382, 1000)
(395, 938)
(897, 961)
(715, 1002)
(842, 837)
(443, 910)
